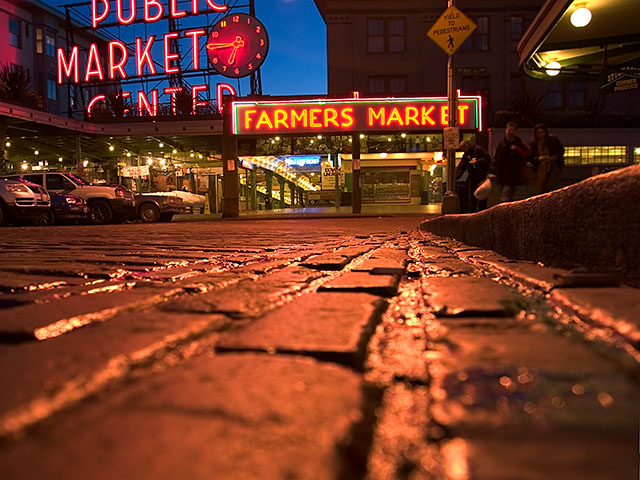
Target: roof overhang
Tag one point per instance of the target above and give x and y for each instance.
(609, 43)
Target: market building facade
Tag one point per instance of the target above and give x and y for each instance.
(384, 110)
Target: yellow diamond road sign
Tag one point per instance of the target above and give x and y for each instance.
(451, 30)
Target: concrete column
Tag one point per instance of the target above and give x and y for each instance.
(282, 183)
(268, 175)
(356, 203)
(213, 193)
(230, 181)
(4, 153)
(253, 181)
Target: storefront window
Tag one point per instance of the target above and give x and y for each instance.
(39, 48)
(516, 28)
(479, 39)
(386, 35)
(593, 155)
(15, 39)
(51, 46)
(52, 89)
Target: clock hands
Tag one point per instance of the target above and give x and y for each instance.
(236, 44)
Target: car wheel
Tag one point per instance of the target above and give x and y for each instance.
(3, 215)
(100, 212)
(149, 213)
(45, 219)
(166, 217)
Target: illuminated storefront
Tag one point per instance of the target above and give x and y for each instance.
(386, 150)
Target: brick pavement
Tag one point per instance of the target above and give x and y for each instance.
(306, 349)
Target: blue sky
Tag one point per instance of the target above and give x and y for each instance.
(296, 63)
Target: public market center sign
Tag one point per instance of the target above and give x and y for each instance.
(352, 115)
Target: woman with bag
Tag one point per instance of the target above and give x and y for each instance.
(547, 153)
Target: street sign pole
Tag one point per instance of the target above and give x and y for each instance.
(450, 199)
(449, 32)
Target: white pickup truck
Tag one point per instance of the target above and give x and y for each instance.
(107, 203)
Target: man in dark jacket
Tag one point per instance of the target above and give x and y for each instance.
(476, 162)
(511, 155)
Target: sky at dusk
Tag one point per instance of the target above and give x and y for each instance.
(296, 63)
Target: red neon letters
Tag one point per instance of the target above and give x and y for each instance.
(100, 10)
(149, 106)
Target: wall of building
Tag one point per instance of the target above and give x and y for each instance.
(493, 72)
(42, 30)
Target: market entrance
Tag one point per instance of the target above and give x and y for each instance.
(379, 150)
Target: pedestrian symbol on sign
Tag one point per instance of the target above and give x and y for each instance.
(451, 30)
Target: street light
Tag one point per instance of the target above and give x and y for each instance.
(553, 69)
(581, 16)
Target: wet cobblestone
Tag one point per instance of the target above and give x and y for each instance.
(343, 348)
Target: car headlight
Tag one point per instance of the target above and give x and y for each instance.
(72, 201)
(18, 188)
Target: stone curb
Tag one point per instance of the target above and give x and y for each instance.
(592, 224)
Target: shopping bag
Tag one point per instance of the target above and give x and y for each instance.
(484, 190)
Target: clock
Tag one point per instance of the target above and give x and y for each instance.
(237, 45)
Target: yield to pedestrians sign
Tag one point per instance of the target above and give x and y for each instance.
(451, 30)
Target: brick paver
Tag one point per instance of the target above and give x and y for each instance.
(338, 348)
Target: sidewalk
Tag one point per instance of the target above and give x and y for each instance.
(321, 212)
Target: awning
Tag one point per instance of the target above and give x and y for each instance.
(608, 44)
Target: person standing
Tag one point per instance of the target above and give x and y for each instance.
(547, 153)
(510, 162)
(476, 162)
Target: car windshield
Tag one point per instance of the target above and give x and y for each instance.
(78, 180)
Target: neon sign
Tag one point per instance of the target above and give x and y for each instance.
(113, 62)
(300, 160)
(342, 115)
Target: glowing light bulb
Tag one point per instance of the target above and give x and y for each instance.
(111, 148)
(581, 17)
(553, 69)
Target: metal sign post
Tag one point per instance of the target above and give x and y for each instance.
(450, 199)
(449, 32)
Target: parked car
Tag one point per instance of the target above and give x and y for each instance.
(64, 208)
(22, 201)
(158, 208)
(107, 203)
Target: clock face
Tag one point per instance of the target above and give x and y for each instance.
(237, 45)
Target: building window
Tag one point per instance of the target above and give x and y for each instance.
(15, 37)
(576, 92)
(51, 46)
(39, 48)
(594, 155)
(387, 85)
(386, 35)
(516, 85)
(516, 28)
(477, 85)
(478, 41)
(636, 155)
(52, 89)
(553, 98)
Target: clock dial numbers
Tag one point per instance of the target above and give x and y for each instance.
(237, 45)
